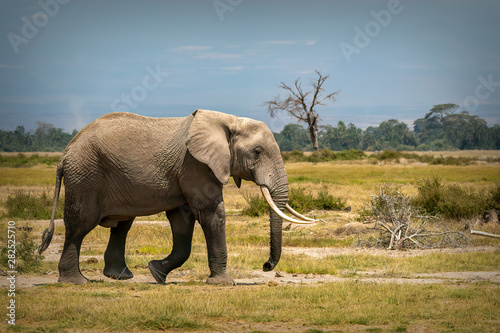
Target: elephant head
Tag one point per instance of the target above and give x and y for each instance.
(244, 149)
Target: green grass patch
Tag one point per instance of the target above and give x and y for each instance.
(352, 174)
(21, 160)
(303, 179)
(192, 307)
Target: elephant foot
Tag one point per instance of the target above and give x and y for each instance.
(118, 273)
(73, 278)
(223, 279)
(155, 267)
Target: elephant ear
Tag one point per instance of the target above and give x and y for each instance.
(208, 142)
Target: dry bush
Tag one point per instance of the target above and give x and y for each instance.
(403, 226)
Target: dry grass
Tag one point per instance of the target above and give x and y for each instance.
(461, 153)
(343, 173)
(340, 306)
(35, 176)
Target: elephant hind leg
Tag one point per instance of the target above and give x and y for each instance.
(182, 223)
(114, 257)
(69, 267)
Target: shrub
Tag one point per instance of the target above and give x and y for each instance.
(446, 161)
(436, 145)
(257, 205)
(495, 197)
(293, 156)
(27, 258)
(388, 155)
(327, 201)
(27, 205)
(302, 200)
(453, 201)
(352, 154)
(298, 198)
(324, 155)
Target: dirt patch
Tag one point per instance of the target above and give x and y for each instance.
(276, 278)
(322, 252)
(279, 278)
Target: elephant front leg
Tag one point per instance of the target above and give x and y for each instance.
(214, 228)
(114, 257)
(182, 222)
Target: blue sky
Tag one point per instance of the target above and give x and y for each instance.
(67, 62)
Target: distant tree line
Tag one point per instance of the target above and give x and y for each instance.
(45, 138)
(440, 129)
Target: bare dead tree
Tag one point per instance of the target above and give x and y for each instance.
(404, 226)
(299, 104)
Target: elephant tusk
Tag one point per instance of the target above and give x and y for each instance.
(298, 215)
(270, 202)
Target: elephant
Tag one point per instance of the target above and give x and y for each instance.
(124, 165)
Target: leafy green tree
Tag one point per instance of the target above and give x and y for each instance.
(471, 131)
(341, 137)
(431, 129)
(443, 128)
(371, 140)
(441, 110)
(494, 136)
(393, 134)
(45, 138)
(293, 137)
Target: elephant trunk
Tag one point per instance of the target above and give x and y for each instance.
(279, 195)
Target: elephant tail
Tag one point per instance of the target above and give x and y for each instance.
(49, 232)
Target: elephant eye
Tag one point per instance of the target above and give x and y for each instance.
(258, 150)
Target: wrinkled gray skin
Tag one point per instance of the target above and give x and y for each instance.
(123, 165)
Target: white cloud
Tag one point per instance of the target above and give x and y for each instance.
(290, 42)
(218, 55)
(192, 48)
(280, 42)
(233, 68)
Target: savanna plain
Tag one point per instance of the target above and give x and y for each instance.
(325, 281)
